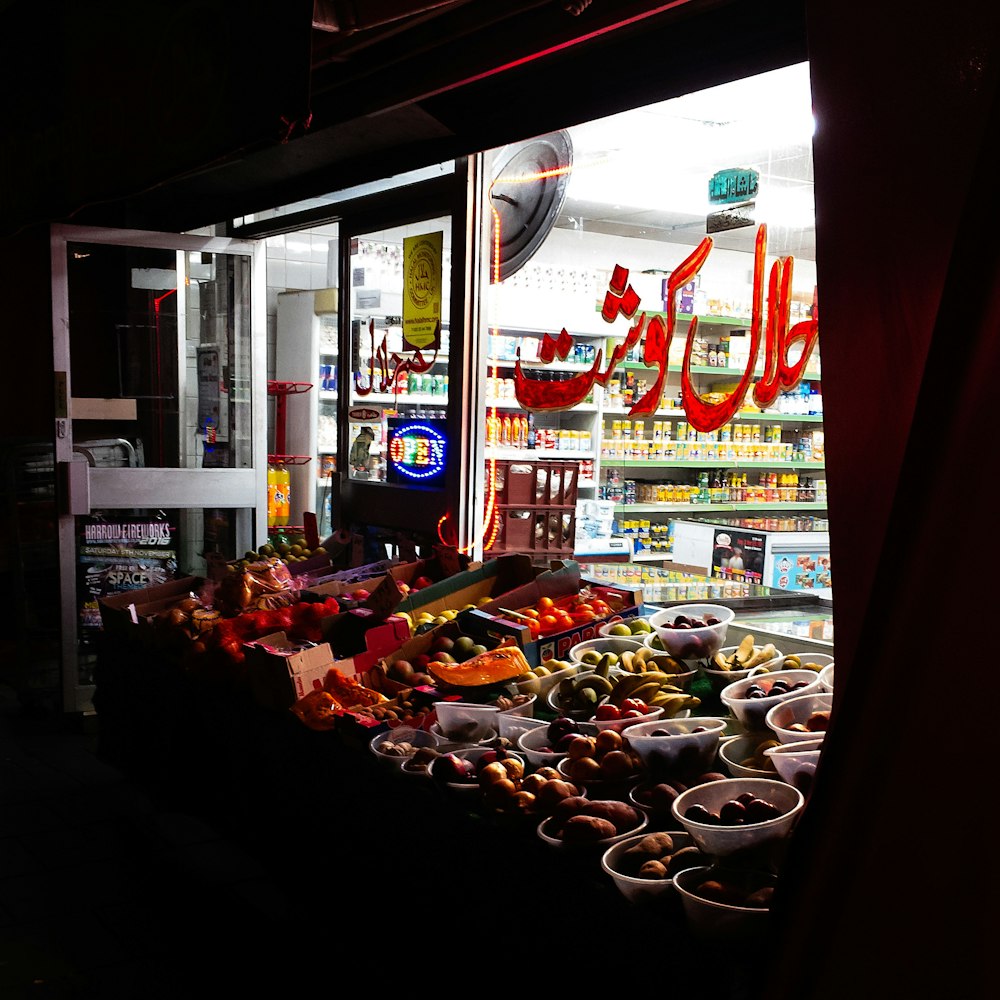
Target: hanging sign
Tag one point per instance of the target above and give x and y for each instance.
(422, 291)
(728, 187)
(734, 217)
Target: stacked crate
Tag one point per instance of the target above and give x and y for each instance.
(536, 507)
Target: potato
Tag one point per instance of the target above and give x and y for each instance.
(581, 829)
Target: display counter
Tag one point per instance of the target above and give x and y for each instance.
(783, 553)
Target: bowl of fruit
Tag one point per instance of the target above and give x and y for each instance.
(746, 756)
(739, 816)
(655, 797)
(637, 628)
(603, 763)
(466, 722)
(395, 746)
(544, 745)
(590, 826)
(630, 712)
(753, 697)
(591, 652)
(676, 747)
(541, 679)
(464, 772)
(826, 678)
(804, 717)
(796, 762)
(732, 663)
(643, 866)
(692, 631)
(726, 904)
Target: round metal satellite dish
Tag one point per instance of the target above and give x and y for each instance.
(527, 193)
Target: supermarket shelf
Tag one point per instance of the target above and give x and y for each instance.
(711, 508)
(513, 404)
(556, 366)
(709, 463)
(639, 366)
(403, 399)
(536, 454)
(652, 557)
(678, 414)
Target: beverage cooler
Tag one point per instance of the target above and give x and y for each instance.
(786, 553)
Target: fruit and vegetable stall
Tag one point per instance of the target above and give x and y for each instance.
(536, 708)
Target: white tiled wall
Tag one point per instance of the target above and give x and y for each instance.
(297, 261)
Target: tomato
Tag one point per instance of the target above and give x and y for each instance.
(545, 604)
(606, 712)
(530, 613)
(583, 607)
(636, 705)
(580, 617)
(549, 622)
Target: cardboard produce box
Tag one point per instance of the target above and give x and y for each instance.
(134, 608)
(280, 672)
(489, 579)
(561, 582)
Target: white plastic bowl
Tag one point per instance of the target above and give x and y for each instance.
(684, 750)
(720, 679)
(605, 644)
(722, 841)
(464, 722)
(525, 709)
(605, 630)
(733, 753)
(692, 643)
(473, 754)
(826, 678)
(582, 713)
(723, 922)
(635, 889)
(753, 711)
(620, 725)
(548, 825)
(796, 762)
(512, 726)
(442, 738)
(403, 734)
(533, 684)
(533, 742)
(819, 660)
(798, 710)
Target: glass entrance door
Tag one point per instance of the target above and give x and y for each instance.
(161, 421)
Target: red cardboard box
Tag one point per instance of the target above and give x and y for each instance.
(564, 581)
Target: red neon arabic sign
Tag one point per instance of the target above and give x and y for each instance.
(779, 374)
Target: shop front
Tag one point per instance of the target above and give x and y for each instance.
(410, 437)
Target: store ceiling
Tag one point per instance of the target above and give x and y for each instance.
(663, 155)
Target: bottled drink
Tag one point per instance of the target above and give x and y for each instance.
(282, 495)
(272, 487)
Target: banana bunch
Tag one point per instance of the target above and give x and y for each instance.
(638, 660)
(746, 655)
(654, 687)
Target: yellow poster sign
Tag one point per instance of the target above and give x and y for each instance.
(422, 291)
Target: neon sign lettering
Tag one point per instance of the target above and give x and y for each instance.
(417, 451)
(779, 375)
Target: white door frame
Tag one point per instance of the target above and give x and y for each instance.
(84, 488)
